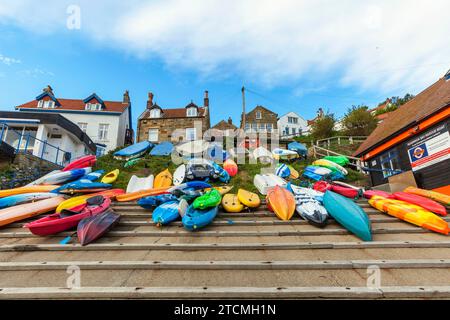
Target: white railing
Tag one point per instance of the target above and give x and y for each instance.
(322, 152)
(340, 139)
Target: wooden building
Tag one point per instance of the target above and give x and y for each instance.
(414, 138)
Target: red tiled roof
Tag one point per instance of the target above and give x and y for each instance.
(174, 113)
(78, 104)
(426, 103)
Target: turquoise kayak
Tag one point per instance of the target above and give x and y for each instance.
(195, 219)
(166, 213)
(25, 198)
(348, 214)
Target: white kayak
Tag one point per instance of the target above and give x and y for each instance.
(65, 176)
(282, 154)
(39, 181)
(179, 175)
(265, 182)
(192, 149)
(263, 155)
(138, 184)
(309, 207)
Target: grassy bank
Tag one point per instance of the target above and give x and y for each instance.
(244, 179)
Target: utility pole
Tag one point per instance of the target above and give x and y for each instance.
(243, 108)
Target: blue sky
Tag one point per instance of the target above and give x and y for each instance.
(292, 55)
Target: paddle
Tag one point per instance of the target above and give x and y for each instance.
(67, 239)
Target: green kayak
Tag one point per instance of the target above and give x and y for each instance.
(132, 162)
(340, 160)
(208, 200)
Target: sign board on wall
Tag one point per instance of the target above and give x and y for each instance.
(429, 148)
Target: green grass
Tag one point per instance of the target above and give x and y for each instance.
(244, 179)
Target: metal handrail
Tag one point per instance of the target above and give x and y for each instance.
(21, 136)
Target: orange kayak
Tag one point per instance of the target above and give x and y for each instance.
(163, 179)
(436, 196)
(141, 194)
(282, 202)
(410, 213)
(28, 210)
(27, 189)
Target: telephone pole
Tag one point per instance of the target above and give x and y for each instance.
(243, 108)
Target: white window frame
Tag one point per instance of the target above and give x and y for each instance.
(191, 112)
(155, 113)
(103, 129)
(49, 104)
(153, 132)
(269, 127)
(40, 104)
(83, 126)
(258, 115)
(191, 134)
(262, 127)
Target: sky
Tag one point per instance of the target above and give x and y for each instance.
(292, 55)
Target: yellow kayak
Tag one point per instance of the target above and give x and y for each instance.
(29, 189)
(111, 177)
(163, 179)
(327, 164)
(248, 199)
(231, 203)
(76, 201)
(436, 196)
(410, 213)
(294, 173)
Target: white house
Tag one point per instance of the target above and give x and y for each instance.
(51, 137)
(107, 123)
(291, 124)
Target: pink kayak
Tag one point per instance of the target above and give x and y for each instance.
(368, 194)
(83, 162)
(67, 219)
(323, 186)
(423, 202)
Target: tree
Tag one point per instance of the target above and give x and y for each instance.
(323, 127)
(359, 121)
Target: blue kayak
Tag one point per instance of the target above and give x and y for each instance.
(195, 219)
(166, 213)
(93, 176)
(81, 185)
(190, 185)
(348, 214)
(282, 170)
(153, 201)
(299, 148)
(162, 149)
(223, 175)
(25, 198)
(216, 153)
(134, 151)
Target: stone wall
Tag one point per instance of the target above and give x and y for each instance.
(167, 126)
(267, 116)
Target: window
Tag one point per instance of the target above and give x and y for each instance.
(40, 104)
(153, 135)
(254, 126)
(293, 131)
(93, 106)
(155, 113)
(286, 131)
(103, 132)
(269, 127)
(100, 151)
(247, 126)
(258, 115)
(292, 120)
(83, 126)
(390, 164)
(49, 104)
(191, 112)
(262, 127)
(191, 134)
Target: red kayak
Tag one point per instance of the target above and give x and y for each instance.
(423, 202)
(68, 219)
(92, 228)
(323, 186)
(368, 194)
(83, 162)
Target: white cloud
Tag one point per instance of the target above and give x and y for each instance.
(8, 60)
(37, 72)
(384, 45)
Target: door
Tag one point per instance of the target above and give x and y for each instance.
(51, 149)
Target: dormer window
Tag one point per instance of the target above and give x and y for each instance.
(191, 112)
(155, 113)
(93, 106)
(49, 104)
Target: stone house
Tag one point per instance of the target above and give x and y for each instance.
(157, 124)
(259, 120)
(227, 127)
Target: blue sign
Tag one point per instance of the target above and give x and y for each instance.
(419, 152)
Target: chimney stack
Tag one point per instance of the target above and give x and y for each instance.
(150, 100)
(206, 100)
(48, 89)
(230, 121)
(126, 97)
